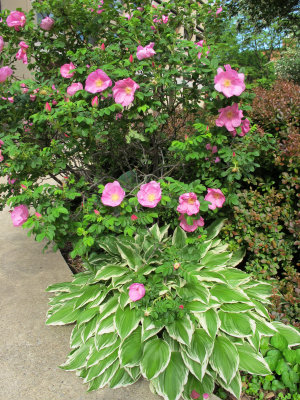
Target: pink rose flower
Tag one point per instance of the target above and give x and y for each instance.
(65, 70)
(72, 89)
(145, 52)
(5, 72)
(245, 127)
(16, 19)
(219, 10)
(195, 395)
(215, 197)
(230, 117)
(229, 82)
(10, 180)
(97, 81)
(136, 291)
(214, 149)
(1, 157)
(10, 99)
(113, 194)
(124, 90)
(19, 215)
(188, 204)
(21, 54)
(32, 97)
(200, 43)
(217, 159)
(47, 23)
(165, 19)
(1, 143)
(1, 43)
(190, 228)
(149, 194)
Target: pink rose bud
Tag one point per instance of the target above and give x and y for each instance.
(32, 97)
(133, 217)
(206, 395)
(23, 186)
(136, 291)
(38, 215)
(131, 58)
(176, 265)
(95, 101)
(102, 46)
(54, 102)
(195, 395)
(181, 307)
(233, 154)
(48, 107)
(96, 212)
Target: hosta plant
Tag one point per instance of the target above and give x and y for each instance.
(191, 320)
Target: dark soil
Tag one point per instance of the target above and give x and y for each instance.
(76, 264)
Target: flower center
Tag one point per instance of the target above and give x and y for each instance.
(217, 196)
(191, 201)
(229, 114)
(115, 197)
(151, 197)
(128, 90)
(227, 83)
(99, 82)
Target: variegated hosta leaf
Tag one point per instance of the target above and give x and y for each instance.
(251, 361)
(64, 315)
(234, 324)
(130, 254)
(99, 368)
(109, 306)
(254, 340)
(215, 260)
(181, 330)
(104, 352)
(60, 287)
(156, 357)
(121, 379)
(236, 258)
(110, 271)
(171, 381)
(200, 349)
(235, 277)
(179, 238)
(78, 358)
(89, 294)
(197, 307)
(258, 290)
(89, 329)
(174, 345)
(264, 327)
(105, 340)
(234, 387)
(195, 291)
(193, 366)
(126, 321)
(134, 372)
(86, 315)
(75, 339)
(64, 297)
(291, 334)
(106, 325)
(150, 329)
(210, 322)
(131, 349)
(227, 294)
(236, 307)
(105, 377)
(214, 228)
(261, 310)
(224, 359)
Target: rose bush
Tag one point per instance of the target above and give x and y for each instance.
(97, 117)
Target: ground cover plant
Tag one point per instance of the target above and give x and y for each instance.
(99, 116)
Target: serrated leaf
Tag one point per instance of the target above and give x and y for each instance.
(224, 359)
(131, 349)
(156, 357)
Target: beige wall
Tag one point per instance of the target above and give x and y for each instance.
(13, 4)
(22, 71)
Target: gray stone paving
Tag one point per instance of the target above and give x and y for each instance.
(30, 352)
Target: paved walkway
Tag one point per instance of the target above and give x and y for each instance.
(30, 352)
